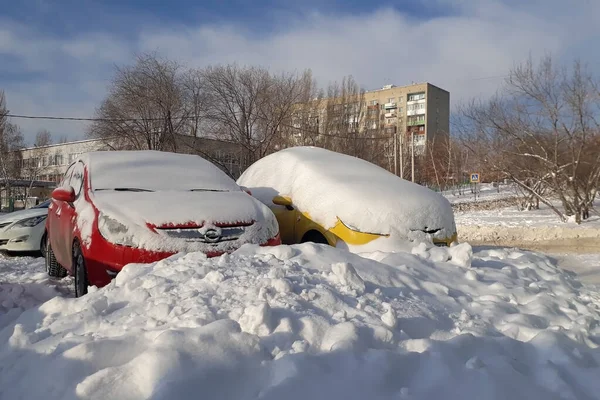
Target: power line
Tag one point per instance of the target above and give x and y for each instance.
(88, 119)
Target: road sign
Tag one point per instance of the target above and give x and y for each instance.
(475, 177)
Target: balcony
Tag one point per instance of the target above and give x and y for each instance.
(390, 114)
(415, 122)
(389, 106)
(416, 112)
(416, 98)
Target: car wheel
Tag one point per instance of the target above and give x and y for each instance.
(53, 268)
(314, 237)
(81, 282)
(43, 246)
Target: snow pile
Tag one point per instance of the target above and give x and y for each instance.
(24, 284)
(310, 321)
(363, 196)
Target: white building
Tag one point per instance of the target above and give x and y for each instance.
(39, 169)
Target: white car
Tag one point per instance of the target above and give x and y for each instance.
(24, 230)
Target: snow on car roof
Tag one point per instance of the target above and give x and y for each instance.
(329, 185)
(154, 170)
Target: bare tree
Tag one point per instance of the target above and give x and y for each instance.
(11, 140)
(345, 116)
(304, 125)
(37, 163)
(249, 106)
(145, 107)
(43, 138)
(542, 132)
(353, 127)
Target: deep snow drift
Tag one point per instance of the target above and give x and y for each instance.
(310, 321)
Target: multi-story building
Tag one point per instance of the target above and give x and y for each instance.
(420, 111)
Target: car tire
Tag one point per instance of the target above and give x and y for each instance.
(43, 246)
(53, 268)
(80, 271)
(314, 237)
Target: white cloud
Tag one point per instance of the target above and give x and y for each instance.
(480, 39)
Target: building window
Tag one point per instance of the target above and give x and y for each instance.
(391, 99)
(416, 96)
(373, 102)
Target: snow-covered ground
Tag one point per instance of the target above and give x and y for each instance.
(24, 284)
(535, 229)
(586, 265)
(308, 321)
(485, 192)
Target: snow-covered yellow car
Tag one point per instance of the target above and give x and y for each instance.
(322, 196)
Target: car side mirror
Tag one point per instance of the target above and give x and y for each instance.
(283, 201)
(64, 194)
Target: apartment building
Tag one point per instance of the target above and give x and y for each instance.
(419, 111)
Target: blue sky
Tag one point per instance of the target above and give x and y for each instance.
(57, 57)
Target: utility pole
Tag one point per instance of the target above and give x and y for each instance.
(402, 156)
(396, 154)
(412, 155)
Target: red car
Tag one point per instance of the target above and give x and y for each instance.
(119, 207)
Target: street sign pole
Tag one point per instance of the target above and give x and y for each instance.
(475, 178)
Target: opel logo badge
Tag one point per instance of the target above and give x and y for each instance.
(212, 235)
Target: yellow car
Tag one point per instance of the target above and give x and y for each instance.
(326, 197)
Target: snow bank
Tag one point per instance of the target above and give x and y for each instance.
(310, 321)
(24, 284)
(331, 185)
(535, 229)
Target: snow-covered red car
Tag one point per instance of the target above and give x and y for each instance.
(327, 197)
(119, 207)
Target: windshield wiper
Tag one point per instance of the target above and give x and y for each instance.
(128, 190)
(207, 190)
